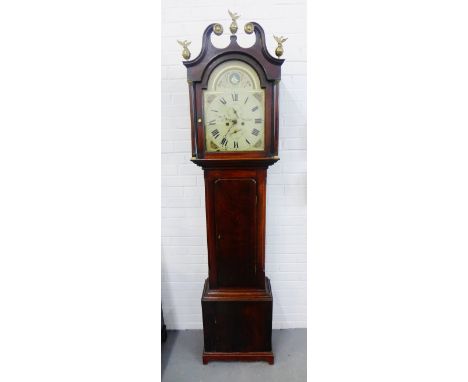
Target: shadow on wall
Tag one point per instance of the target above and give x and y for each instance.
(167, 299)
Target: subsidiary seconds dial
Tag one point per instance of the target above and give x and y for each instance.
(234, 121)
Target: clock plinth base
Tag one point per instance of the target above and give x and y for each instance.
(237, 324)
(244, 357)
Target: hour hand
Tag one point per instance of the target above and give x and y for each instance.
(234, 121)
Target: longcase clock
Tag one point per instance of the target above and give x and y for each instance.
(234, 131)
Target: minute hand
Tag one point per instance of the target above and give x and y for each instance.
(238, 117)
(234, 122)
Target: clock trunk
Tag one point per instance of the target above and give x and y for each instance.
(235, 211)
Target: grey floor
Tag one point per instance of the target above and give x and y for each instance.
(181, 360)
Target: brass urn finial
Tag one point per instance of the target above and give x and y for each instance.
(279, 50)
(185, 51)
(234, 17)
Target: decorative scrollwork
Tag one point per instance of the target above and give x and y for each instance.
(279, 50)
(234, 17)
(185, 52)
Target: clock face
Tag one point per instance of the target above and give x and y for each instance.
(234, 109)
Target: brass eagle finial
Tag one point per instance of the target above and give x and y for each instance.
(234, 17)
(185, 51)
(279, 50)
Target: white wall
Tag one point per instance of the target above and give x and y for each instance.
(184, 253)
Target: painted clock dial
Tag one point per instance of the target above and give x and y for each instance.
(234, 109)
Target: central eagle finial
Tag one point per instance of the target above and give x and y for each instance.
(234, 17)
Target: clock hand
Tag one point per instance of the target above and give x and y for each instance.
(230, 119)
(240, 117)
(234, 122)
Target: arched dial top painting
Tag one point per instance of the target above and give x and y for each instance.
(234, 109)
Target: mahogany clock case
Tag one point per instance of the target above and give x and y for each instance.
(237, 300)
